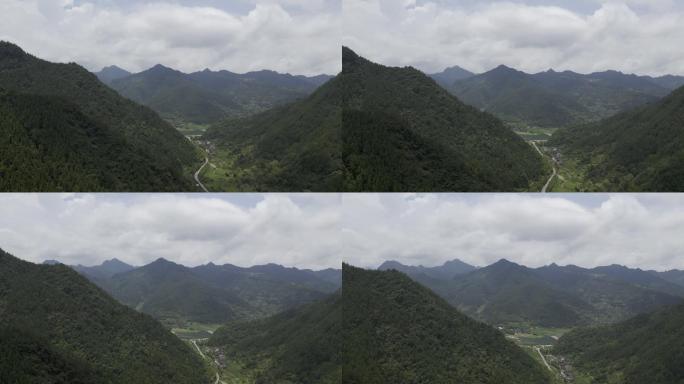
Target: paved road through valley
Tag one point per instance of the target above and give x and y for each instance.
(555, 171)
(206, 161)
(543, 358)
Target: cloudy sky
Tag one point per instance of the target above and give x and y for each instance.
(634, 36)
(190, 35)
(582, 229)
(245, 230)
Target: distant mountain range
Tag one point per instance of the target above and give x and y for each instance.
(451, 75)
(554, 296)
(108, 74)
(63, 130)
(555, 99)
(402, 132)
(210, 293)
(448, 270)
(641, 150)
(208, 97)
(57, 327)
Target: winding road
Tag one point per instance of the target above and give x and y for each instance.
(543, 358)
(199, 350)
(206, 161)
(555, 171)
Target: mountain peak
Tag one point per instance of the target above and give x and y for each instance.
(390, 264)
(350, 58)
(51, 262)
(113, 68)
(9, 51)
(115, 263)
(162, 68)
(504, 263)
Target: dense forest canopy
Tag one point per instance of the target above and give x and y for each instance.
(401, 131)
(73, 331)
(63, 130)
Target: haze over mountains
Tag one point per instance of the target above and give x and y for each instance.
(551, 296)
(175, 294)
(209, 96)
(555, 99)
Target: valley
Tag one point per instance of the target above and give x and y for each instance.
(551, 345)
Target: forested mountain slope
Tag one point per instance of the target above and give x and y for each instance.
(63, 329)
(397, 331)
(298, 346)
(292, 148)
(646, 349)
(639, 150)
(64, 130)
(402, 131)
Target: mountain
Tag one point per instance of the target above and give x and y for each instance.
(669, 81)
(207, 97)
(646, 349)
(213, 294)
(397, 331)
(448, 270)
(296, 147)
(552, 296)
(674, 276)
(639, 150)
(639, 278)
(108, 74)
(57, 327)
(555, 99)
(301, 345)
(104, 271)
(402, 131)
(449, 76)
(63, 130)
(505, 292)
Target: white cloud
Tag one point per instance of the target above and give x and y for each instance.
(636, 36)
(633, 230)
(188, 37)
(291, 230)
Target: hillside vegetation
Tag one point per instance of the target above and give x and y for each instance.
(63, 329)
(397, 331)
(297, 346)
(640, 150)
(401, 131)
(646, 349)
(63, 130)
(292, 148)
